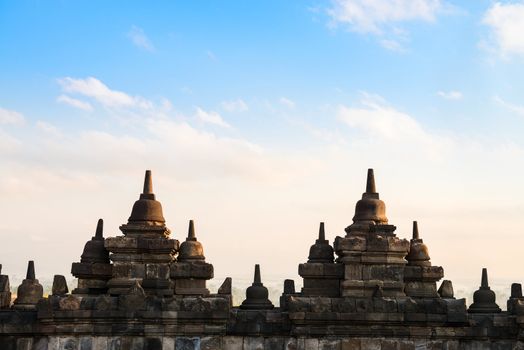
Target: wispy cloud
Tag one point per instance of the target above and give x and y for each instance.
(384, 18)
(287, 102)
(450, 95)
(211, 118)
(140, 39)
(506, 24)
(235, 106)
(11, 117)
(73, 102)
(94, 88)
(517, 109)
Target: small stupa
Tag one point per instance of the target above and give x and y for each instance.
(484, 297)
(30, 291)
(257, 294)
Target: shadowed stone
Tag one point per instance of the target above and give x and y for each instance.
(191, 249)
(59, 285)
(257, 294)
(321, 251)
(484, 297)
(446, 289)
(516, 290)
(418, 252)
(378, 292)
(30, 291)
(225, 288)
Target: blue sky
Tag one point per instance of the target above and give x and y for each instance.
(266, 114)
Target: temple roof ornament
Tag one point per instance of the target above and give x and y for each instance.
(370, 209)
(321, 251)
(147, 210)
(484, 297)
(418, 251)
(191, 249)
(257, 294)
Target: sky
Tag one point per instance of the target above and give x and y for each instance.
(259, 120)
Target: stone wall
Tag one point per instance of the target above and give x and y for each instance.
(247, 343)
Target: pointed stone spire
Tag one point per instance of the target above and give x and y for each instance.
(484, 297)
(484, 282)
(418, 251)
(257, 280)
(415, 230)
(370, 183)
(99, 233)
(147, 210)
(257, 294)
(191, 231)
(148, 183)
(321, 233)
(191, 249)
(30, 275)
(321, 251)
(370, 209)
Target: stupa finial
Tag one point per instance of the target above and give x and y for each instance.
(99, 234)
(321, 232)
(370, 183)
(257, 279)
(30, 270)
(191, 231)
(415, 230)
(484, 282)
(148, 183)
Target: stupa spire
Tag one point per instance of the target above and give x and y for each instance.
(99, 233)
(370, 183)
(484, 282)
(257, 279)
(30, 275)
(415, 230)
(148, 183)
(321, 232)
(191, 231)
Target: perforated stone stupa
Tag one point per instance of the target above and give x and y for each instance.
(142, 290)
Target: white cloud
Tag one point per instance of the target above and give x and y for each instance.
(287, 102)
(517, 109)
(140, 39)
(235, 106)
(507, 25)
(11, 117)
(211, 118)
(383, 18)
(395, 130)
(74, 102)
(94, 88)
(450, 95)
(371, 16)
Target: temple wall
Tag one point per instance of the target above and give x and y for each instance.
(246, 343)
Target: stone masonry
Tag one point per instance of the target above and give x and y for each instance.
(143, 290)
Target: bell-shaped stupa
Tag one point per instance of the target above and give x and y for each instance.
(484, 297)
(257, 294)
